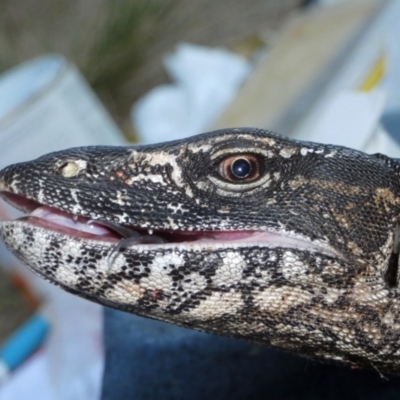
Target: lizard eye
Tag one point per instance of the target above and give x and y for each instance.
(240, 168)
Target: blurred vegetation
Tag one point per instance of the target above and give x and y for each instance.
(119, 44)
(14, 307)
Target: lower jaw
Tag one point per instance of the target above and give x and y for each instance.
(51, 233)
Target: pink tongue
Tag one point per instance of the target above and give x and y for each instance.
(231, 235)
(67, 220)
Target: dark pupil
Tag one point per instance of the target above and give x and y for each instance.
(241, 168)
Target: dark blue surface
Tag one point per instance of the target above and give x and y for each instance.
(148, 359)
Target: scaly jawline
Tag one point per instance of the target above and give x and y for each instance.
(262, 239)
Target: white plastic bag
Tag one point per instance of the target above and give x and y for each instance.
(205, 81)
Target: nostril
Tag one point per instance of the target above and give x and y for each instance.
(69, 169)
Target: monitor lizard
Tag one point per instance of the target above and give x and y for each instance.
(238, 232)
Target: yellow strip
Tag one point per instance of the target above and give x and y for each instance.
(375, 75)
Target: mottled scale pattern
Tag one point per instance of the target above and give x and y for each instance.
(323, 291)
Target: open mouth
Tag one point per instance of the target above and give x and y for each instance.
(78, 226)
(53, 219)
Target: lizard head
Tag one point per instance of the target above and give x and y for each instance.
(239, 232)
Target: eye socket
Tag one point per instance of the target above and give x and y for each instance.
(240, 168)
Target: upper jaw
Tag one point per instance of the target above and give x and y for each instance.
(55, 220)
(19, 202)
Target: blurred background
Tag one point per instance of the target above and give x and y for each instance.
(87, 72)
(118, 45)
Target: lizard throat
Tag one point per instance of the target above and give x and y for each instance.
(55, 220)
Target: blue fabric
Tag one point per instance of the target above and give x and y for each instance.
(24, 341)
(148, 359)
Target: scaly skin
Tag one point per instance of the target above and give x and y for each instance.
(320, 284)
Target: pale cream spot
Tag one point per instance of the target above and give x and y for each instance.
(354, 248)
(287, 152)
(120, 198)
(194, 283)
(217, 305)
(297, 182)
(125, 292)
(231, 271)
(280, 299)
(304, 151)
(331, 154)
(143, 178)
